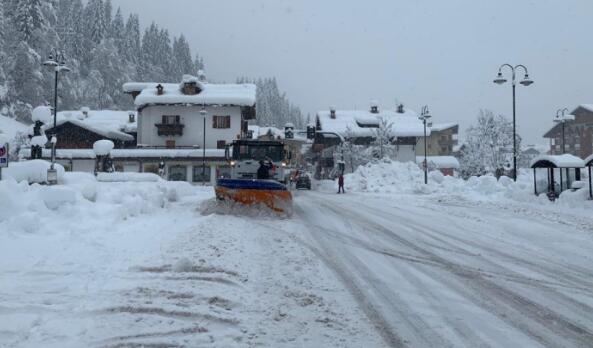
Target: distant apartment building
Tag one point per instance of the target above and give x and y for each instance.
(578, 134)
(442, 140)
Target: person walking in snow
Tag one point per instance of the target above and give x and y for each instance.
(341, 184)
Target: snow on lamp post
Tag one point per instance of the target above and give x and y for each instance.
(204, 114)
(562, 117)
(56, 61)
(40, 115)
(425, 117)
(525, 82)
(102, 149)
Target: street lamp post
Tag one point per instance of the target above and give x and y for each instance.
(525, 82)
(424, 117)
(56, 61)
(204, 113)
(562, 117)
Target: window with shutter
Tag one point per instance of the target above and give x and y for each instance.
(221, 122)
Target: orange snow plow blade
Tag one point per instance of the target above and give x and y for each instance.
(253, 192)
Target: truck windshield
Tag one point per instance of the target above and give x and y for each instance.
(258, 152)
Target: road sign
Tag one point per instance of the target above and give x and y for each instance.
(3, 155)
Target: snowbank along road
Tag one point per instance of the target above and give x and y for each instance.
(430, 274)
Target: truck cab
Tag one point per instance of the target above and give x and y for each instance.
(244, 157)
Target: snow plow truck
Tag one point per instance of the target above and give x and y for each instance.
(258, 175)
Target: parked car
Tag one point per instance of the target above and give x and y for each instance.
(303, 182)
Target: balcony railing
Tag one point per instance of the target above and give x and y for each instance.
(169, 129)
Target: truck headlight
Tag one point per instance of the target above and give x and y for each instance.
(232, 163)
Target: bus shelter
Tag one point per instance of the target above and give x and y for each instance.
(589, 164)
(561, 171)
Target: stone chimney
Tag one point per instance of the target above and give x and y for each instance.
(85, 112)
(400, 109)
(159, 89)
(374, 107)
(332, 112)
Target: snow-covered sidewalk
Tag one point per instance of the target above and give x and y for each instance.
(138, 264)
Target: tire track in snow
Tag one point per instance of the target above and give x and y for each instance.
(554, 322)
(332, 260)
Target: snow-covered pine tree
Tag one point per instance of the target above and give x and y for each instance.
(101, 52)
(198, 63)
(132, 39)
(108, 16)
(182, 58)
(27, 18)
(117, 31)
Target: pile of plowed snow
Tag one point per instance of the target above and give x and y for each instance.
(80, 197)
(391, 177)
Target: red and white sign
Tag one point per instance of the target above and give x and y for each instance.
(3, 155)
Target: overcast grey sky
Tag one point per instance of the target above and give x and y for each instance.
(435, 52)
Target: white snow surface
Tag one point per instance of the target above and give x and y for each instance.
(112, 124)
(10, 127)
(211, 94)
(347, 122)
(103, 147)
(392, 177)
(127, 177)
(137, 264)
(391, 263)
(39, 140)
(439, 162)
(34, 171)
(438, 127)
(136, 153)
(589, 160)
(42, 113)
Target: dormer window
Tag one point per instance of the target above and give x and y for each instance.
(159, 89)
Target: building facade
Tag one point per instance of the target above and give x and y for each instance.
(442, 140)
(179, 130)
(400, 127)
(578, 134)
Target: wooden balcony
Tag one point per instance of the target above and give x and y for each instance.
(169, 129)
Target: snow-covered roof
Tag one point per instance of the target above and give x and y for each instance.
(557, 161)
(136, 153)
(259, 131)
(589, 161)
(587, 106)
(438, 127)
(440, 162)
(209, 93)
(108, 123)
(362, 123)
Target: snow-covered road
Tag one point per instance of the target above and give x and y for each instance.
(159, 264)
(436, 274)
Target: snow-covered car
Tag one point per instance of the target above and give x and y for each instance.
(303, 182)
